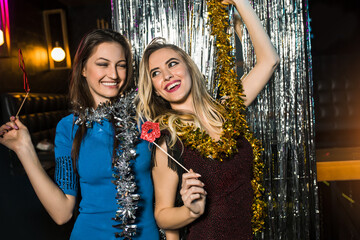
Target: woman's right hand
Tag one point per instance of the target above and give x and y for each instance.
(14, 134)
(193, 193)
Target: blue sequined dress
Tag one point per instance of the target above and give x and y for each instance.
(95, 174)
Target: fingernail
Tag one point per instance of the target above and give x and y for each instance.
(16, 127)
(12, 118)
(198, 175)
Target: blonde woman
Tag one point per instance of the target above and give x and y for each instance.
(214, 199)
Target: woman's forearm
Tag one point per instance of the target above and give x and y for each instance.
(267, 58)
(263, 47)
(174, 217)
(58, 205)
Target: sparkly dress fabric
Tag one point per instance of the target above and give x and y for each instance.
(94, 181)
(229, 194)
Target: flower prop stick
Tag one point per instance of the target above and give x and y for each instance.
(26, 82)
(149, 132)
(22, 104)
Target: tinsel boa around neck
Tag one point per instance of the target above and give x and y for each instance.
(122, 112)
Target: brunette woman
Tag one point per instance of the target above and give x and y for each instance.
(86, 149)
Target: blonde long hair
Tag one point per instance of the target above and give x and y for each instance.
(154, 108)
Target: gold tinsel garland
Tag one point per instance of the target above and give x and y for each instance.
(235, 117)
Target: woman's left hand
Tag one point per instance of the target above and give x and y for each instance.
(193, 193)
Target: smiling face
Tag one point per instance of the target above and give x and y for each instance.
(105, 71)
(170, 78)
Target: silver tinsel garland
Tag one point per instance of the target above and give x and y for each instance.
(122, 110)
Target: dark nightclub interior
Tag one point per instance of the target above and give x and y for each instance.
(336, 75)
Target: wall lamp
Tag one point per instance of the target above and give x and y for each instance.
(57, 53)
(57, 39)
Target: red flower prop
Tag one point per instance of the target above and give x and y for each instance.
(150, 131)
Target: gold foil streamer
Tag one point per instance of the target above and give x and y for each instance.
(282, 118)
(236, 123)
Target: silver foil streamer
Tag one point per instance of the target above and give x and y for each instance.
(122, 111)
(282, 117)
(180, 22)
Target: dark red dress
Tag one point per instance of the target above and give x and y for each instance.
(230, 195)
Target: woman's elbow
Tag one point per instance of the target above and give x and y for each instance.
(270, 63)
(160, 225)
(163, 221)
(276, 60)
(61, 220)
(159, 221)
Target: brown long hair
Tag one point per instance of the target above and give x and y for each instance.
(79, 92)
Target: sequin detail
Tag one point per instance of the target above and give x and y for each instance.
(65, 177)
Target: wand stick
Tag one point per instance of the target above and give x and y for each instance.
(27, 94)
(26, 81)
(170, 156)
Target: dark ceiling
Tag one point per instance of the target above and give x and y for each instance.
(81, 2)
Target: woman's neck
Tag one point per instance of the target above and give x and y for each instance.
(188, 106)
(212, 131)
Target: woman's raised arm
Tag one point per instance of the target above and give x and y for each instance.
(16, 137)
(267, 58)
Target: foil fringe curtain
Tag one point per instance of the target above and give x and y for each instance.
(282, 117)
(180, 22)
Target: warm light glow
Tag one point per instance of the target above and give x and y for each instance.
(4, 23)
(1, 38)
(58, 54)
(40, 57)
